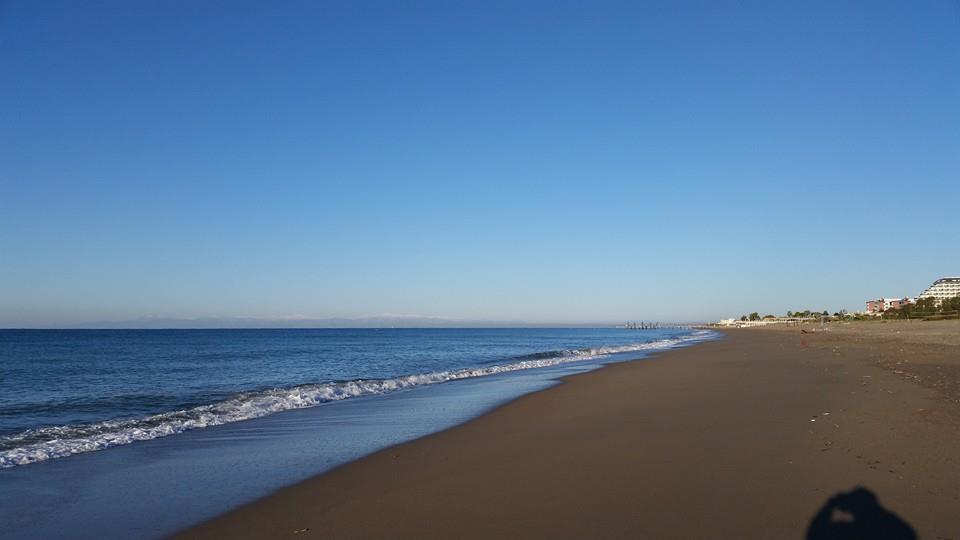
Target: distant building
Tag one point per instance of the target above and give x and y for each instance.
(882, 304)
(942, 289)
(736, 323)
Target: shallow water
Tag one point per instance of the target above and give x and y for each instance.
(67, 392)
(151, 488)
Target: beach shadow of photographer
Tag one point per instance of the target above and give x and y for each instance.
(857, 514)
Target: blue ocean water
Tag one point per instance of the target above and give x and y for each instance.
(138, 434)
(64, 392)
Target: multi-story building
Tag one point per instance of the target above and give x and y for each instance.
(882, 304)
(943, 288)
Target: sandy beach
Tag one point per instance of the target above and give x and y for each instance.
(745, 437)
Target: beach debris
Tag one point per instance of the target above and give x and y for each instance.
(303, 530)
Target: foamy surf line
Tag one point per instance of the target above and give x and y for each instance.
(41, 444)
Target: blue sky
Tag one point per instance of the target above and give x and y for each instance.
(541, 161)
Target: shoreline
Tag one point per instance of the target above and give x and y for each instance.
(54, 440)
(720, 439)
(154, 488)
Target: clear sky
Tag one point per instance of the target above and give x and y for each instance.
(541, 161)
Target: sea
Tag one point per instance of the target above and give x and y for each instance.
(141, 433)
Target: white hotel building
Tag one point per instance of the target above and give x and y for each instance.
(943, 288)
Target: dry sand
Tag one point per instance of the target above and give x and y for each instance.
(746, 437)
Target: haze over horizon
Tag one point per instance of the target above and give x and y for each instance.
(503, 162)
(300, 322)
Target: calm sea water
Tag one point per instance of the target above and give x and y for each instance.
(70, 392)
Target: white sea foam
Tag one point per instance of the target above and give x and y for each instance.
(41, 444)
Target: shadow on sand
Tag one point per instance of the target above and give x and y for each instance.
(857, 514)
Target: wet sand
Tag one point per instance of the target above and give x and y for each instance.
(746, 437)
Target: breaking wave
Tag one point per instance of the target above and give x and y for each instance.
(35, 445)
